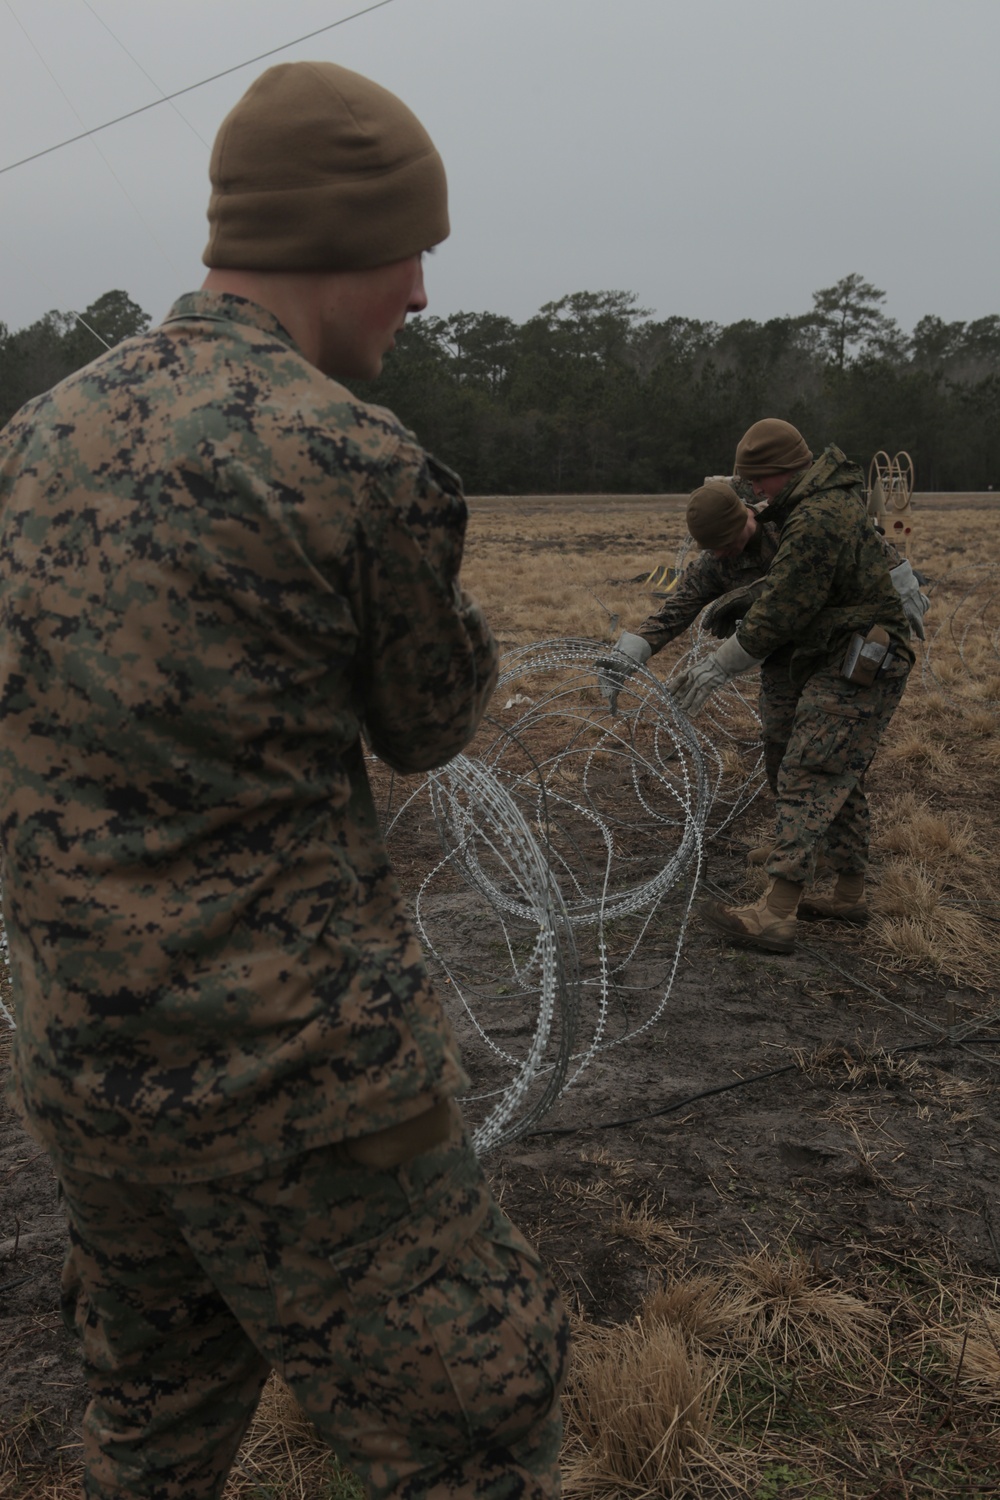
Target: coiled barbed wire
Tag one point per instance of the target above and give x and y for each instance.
(961, 658)
(5, 1014)
(578, 837)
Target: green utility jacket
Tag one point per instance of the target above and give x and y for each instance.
(830, 576)
(216, 566)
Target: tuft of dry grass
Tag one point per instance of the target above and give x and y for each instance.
(933, 706)
(796, 1311)
(914, 747)
(282, 1456)
(641, 1223)
(638, 1406)
(916, 923)
(703, 1308)
(907, 825)
(990, 750)
(731, 758)
(974, 1355)
(980, 724)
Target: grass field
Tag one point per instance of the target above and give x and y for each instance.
(792, 1294)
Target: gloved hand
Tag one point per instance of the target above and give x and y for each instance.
(915, 604)
(722, 617)
(633, 651)
(693, 688)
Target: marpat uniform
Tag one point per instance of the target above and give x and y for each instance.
(219, 570)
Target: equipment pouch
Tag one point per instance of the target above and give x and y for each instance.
(866, 656)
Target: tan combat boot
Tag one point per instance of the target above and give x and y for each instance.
(845, 903)
(768, 924)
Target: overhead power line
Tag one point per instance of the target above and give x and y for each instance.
(148, 76)
(155, 103)
(131, 201)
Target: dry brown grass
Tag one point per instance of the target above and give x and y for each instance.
(908, 826)
(920, 924)
(974, 1354)
(705, 1308)
(639, 1406)
(525, 562)
(795, 1310)
(916, 750)
(766, 1377)
(282, 1456)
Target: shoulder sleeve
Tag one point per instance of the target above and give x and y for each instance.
(797, 586)
(893, 557)
(427, 658)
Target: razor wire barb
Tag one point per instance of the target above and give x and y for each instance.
(962, 655)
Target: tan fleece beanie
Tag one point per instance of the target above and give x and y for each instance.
(319, 169)
(716, 515)
(771, 447)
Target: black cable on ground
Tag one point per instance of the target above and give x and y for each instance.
(725, 1088)
(722, 1088)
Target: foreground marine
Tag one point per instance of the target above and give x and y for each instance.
(218, 567)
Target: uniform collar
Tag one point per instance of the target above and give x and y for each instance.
(226, 307)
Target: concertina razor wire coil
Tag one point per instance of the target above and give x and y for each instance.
(961, 658)
(573, 846)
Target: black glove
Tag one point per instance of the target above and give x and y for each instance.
(722, 617)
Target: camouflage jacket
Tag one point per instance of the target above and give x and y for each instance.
(216, 566)
(707, 579)
(830, 576)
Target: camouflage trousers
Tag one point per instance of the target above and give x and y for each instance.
(776, 706)
(830, 729)
(409, 1317)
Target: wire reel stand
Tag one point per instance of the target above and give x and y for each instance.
(890, 497)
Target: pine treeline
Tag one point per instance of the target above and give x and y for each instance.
(592, 395)
(39, 356)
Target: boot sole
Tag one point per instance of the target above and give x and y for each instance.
(742, 939)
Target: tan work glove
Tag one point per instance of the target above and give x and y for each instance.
(692, 690)
(631, 652)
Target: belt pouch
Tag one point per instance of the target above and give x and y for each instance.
(866, 655)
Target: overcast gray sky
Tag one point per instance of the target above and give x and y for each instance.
(720, 158)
